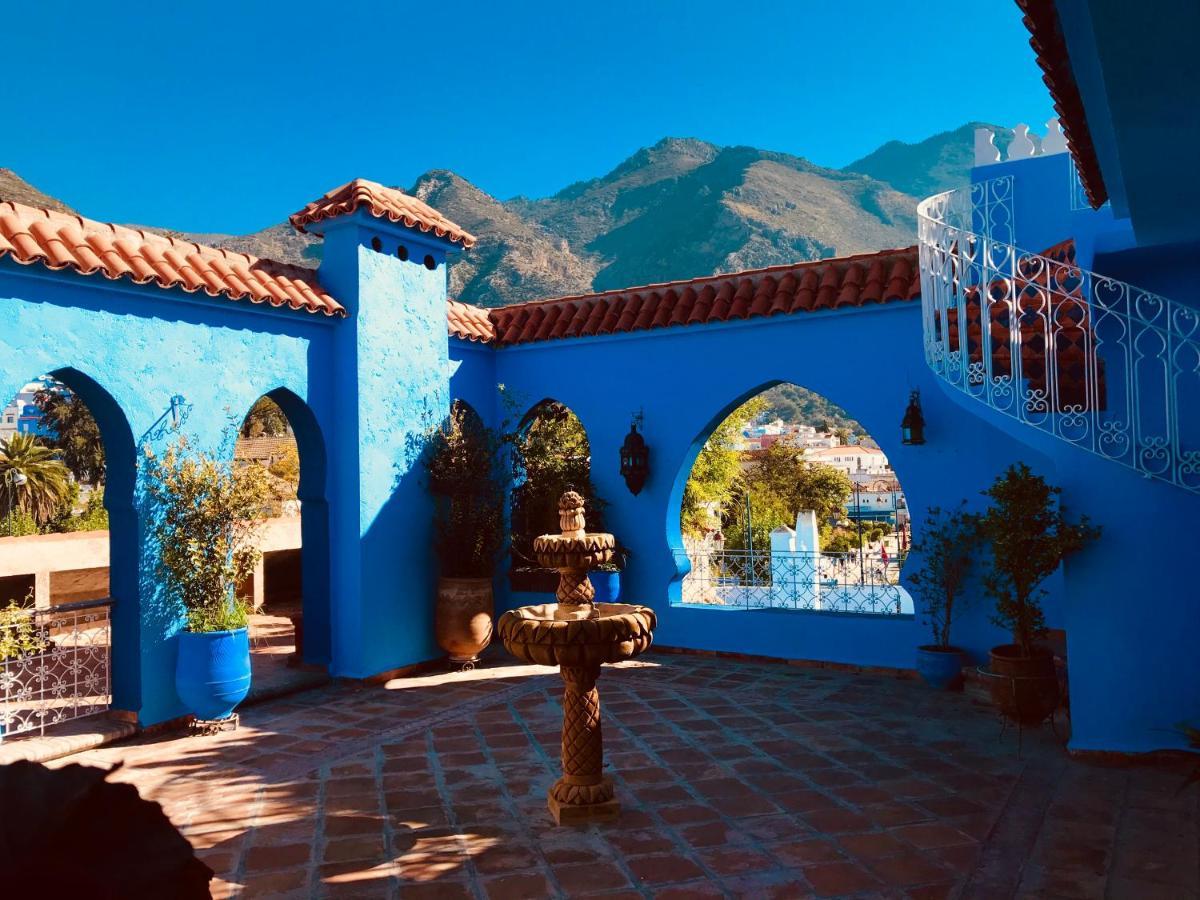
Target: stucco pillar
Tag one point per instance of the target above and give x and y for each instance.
(41, 589)
(391, 381)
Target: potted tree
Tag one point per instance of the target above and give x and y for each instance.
(463, 464)
(205, 521)
(1030, 536)
(945, 551)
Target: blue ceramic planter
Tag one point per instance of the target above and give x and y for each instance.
(940, 669)
(212, 675)
(607, 585)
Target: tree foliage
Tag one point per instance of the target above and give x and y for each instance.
(1029, 536)
(466, 478)
(796, 405)
(206, 522)
(946, 553)
(47, 482)
(74, 433)
(265, 419)
(552, 456)
(717, 470)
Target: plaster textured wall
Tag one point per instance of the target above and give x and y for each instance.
(128, 350)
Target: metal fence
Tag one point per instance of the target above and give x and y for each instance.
(55, 665)
(1096, 362)
(866, 582)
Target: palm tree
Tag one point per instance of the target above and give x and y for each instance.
(32, 479)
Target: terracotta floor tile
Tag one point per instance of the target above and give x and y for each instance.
(663, 868)
(834, 879)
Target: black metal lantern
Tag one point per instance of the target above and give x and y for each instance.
(635, 458)
(912, 426)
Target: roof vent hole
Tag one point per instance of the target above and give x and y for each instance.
(430, 264)
(402, 253)
(376, 244)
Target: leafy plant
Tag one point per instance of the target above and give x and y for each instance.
(553, 456)
(265, 419)
(18, 524)
(207, 518)
(74, 432)
(46, 481)
(717, 471)
(20, 635)
(463, 464)
(1030, 536)
(946, 553)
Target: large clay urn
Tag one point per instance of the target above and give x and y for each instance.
(462, 620)
(1024, 688)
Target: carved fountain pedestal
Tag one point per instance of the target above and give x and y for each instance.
(578, 636)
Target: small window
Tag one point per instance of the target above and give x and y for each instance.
(429, 262)
(402, 253)
(376, 244)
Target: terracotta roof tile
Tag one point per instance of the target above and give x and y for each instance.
(384, 203)
(57, 240)
(1050, 48)
(470, 322)
(883, 277)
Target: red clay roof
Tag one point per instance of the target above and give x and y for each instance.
(1050, 48)
(384, 203)
(63, 241)
(470, 322)
(884, 277)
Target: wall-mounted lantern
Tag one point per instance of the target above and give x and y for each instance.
(635, 458)
(912, 426)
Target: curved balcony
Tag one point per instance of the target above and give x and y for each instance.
(1095, 362)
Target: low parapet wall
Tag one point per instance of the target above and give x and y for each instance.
(63, 568)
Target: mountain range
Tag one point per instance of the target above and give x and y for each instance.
(682, 208)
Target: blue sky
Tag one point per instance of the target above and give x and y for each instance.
(227, 118)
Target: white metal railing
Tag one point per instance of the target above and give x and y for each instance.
(867, 582)
(1093, 361)
(55, 665)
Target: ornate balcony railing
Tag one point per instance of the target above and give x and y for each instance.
(867, 582)
(1096, 362)
(55, 665)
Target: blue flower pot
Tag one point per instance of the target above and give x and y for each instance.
(607, 585)
(212, 675)
(940, 668)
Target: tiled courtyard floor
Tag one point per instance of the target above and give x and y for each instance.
(737, 779)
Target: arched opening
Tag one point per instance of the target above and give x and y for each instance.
(551, 455)
(289, 593)
(68, 555)
(787, 502)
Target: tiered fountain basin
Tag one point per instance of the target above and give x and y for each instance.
(578, 636)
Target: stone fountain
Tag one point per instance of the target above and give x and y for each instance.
(578, 636)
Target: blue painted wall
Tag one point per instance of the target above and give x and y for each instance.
(687, 380)
(127, 350)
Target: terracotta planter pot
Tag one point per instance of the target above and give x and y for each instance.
(1023, 688)
(463, 617)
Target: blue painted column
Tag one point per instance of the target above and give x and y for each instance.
(390, 380)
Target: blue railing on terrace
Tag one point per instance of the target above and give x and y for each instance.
(867, 582)
(1096, 362)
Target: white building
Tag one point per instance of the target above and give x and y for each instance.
(853, 459)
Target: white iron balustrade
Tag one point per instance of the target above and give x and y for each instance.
(1099, 363)
(56, 666)
(835, 582)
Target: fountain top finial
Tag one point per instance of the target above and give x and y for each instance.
(570, 515)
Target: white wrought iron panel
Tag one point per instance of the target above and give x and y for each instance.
(56, 666)
(1096, 362)
(834, 582)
